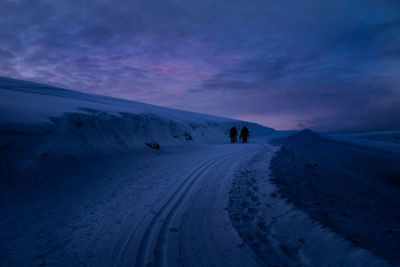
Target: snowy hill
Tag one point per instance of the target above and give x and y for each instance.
(40, 123)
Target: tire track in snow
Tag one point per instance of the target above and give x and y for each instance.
(162, 237)
(206, 236)
(145, 250)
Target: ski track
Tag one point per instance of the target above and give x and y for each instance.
(161, 240)
(162, 218)
(206, 237)
(152, 250)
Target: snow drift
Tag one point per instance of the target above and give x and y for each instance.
(42, 124)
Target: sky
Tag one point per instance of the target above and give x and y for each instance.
(332, 66)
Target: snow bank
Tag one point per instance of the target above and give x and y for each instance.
(280, 233)
(350, 188)
(41, 124)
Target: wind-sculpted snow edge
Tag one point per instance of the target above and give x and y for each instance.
(88, 134)
(280, 233)
(42, 126)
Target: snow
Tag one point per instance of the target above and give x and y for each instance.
(80, 187)
(280, 233)
(41, 125)
(350, 188)
(30, 103)
(387, 140)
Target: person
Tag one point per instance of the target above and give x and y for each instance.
(244, 134)
(233, 135)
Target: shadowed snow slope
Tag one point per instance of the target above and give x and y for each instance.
(41, 124)
(352, 187)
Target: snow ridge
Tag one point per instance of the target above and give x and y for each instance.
(42, 125)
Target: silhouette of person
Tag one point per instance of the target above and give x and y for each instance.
(233, 134)
(244, 134)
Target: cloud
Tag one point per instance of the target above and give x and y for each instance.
(286, 64)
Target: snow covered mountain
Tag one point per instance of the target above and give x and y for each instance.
(41, 124)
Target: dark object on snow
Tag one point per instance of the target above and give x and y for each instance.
(78, 124)
(233, 135)
(244, 134)
(188, 137)
(155, 145)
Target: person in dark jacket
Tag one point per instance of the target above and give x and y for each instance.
(233, 134)
(244, 134)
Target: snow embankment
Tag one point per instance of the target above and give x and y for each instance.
(350, 188)
(278, 231)
(41, 124)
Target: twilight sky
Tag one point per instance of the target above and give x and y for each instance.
(325, 65)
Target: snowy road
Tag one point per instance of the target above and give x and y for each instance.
(168, 208)
(192, 227)
(165, 209)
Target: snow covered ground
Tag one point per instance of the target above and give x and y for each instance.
(42, 125)
(279, 232)
(350, 187)
(387, 140)
(80, 187)
(128, 211)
